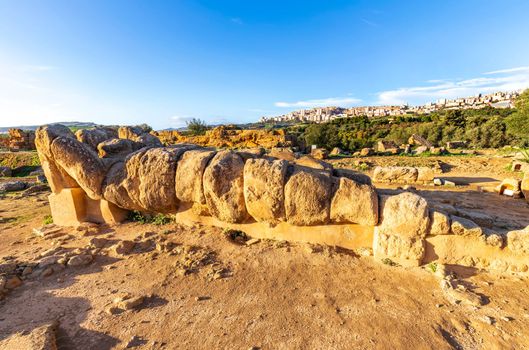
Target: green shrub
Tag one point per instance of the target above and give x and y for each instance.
(142, 218)
(48, 219)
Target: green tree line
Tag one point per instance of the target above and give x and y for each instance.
(483, 128)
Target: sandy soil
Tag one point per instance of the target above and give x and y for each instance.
(269, 295)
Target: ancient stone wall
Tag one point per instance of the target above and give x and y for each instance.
(262, 195)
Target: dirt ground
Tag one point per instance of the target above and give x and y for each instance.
(212, 293)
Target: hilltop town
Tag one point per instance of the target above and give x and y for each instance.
(325, 114)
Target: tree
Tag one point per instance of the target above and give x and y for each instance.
(518, 122)
(197, 127)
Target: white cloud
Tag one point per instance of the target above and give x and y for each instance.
(331, 101)
(180, 120)
(510, 70)
(236, 20)
(500, 80)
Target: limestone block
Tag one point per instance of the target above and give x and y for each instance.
(518, 240)
(439, 223)
(104, 212)
(93, 137)
(189, 173)
(117, 148)
(404, 215)
(425, 174)
(114, 189)
(408, 251)
(353, 175)
(314, 163)
(81, 163)
(223, 183)
(307, 197)
(354, 203)
(264, 183)
(149, 178)
(395, 174)
(510, 187)
(68, 207)
(464, 227)
(56, 176)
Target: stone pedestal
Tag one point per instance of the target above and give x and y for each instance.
(71, 206)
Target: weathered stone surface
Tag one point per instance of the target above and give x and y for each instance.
(479, 218)
(439, 223)
(367, 152)
(405, 250)
(354, 203)
(510, 187)
(40, 338)
(189, 174)
(395, 174)
(145, 181)
(223, 187)
(404, 215)
(418, 140)
(81, 163)
(311, 162)
(57, 177)
(425, 174)
(139, 135)
(307, 197)
(93, 137)
(12, 186)
(114, 189)
(117, 148)
(464, 227)
(319, 153)
(284, 153)
(524, 186)
(518, 240)
(493, 238)
(353, 175)
(80, 260)
(264, 183)
(124, 247)
(45, 135)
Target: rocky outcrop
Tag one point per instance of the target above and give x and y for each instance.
(224, 187)
(264, 183)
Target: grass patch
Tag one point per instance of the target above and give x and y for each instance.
(48, 219)
(158, 219)
(432, 266)
(389, 262)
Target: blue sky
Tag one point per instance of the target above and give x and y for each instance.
(163, 62)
